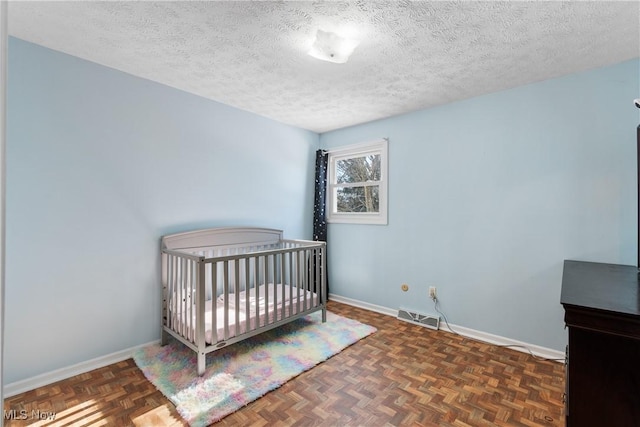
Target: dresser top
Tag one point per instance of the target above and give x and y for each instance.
(608, 287)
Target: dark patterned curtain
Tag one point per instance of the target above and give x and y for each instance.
(319, 205)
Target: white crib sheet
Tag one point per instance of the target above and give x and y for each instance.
(261, 300)
(257, 311)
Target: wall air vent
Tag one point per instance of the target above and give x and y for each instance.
(426, 320)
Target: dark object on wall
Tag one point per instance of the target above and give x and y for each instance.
(602, 312)
(320, 205)
(320, 202)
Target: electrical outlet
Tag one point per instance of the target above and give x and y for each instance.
(432, 292)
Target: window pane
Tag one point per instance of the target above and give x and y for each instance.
(358, 169)
(358, 199)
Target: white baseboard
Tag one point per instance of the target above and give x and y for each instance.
(365, 305)
(547, 353)
(61, 374)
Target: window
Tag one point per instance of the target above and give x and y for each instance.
(357, 184)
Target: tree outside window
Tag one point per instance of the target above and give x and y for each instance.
(357, 184)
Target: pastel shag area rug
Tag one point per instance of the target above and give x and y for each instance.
(241, 373)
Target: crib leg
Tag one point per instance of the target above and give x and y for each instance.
(201, 363)
(324, 314)
(164, 337)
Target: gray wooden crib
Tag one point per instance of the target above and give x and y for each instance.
(223, 285)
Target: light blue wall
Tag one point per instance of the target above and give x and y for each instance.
(100, 165)
(489, 195)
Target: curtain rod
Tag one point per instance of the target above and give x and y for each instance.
(353, 146)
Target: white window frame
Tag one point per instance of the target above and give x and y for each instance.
(380, 147)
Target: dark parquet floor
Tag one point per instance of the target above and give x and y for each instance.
(403, 375)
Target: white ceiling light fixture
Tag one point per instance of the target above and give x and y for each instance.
(331, 47)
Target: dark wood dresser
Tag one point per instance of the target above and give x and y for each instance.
(602, 312)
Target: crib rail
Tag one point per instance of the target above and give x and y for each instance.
(215, 296)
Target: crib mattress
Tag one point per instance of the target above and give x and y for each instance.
(259, 310)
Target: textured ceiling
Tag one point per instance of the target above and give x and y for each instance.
(412, 55)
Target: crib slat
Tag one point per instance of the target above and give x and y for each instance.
(198, 305)
(225, 285)
(292, 282)
(192, 293)
(296, 297)
(308, 274)
(299, 272)
(185, 300)
(323, 285)
(214, 311)
(298, 281)
(283, 304)
(188, 302)
(174, 299)
(274, 270)
(316, 276)
(174, 302)
(171, 293)
(181, 308)
(247, 281)
(266, 286)
(309, 277)
(256, 287)
(183, 304)
(236, 287)
(185, 296)
(176, 295)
